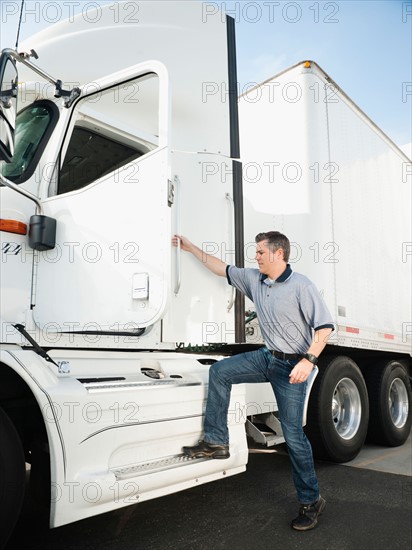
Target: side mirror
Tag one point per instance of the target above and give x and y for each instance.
(8, 105)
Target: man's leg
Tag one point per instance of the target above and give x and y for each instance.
(290, 399)
(247, 367)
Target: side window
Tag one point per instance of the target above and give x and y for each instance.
(34, 126)
(109, 130)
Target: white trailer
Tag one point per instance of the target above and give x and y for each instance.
(318, 169)
(140, 143)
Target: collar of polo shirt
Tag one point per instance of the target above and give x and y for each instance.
(281, 279)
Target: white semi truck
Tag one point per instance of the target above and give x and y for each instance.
(127, 133)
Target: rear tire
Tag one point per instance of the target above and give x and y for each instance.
(338, 410)
(12, 477)
(390, 403)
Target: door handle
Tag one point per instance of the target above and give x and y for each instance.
(229, 198)
(178, 274)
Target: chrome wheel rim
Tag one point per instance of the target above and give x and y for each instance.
(346, 408)
(398, 403)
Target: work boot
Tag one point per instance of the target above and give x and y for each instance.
(308, 515)
(207, 450)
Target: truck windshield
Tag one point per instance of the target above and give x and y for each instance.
(33, 128)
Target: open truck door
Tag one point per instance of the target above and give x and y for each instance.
(110, 189)
(8, 105)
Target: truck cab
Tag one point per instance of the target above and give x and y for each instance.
(106, 162)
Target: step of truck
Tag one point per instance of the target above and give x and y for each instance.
(150, 467)
(109, 386)
(270, 438)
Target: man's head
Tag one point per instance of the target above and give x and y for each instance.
(272, 249)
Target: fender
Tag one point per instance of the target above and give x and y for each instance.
(37, 374)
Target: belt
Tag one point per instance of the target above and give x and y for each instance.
(285, 356)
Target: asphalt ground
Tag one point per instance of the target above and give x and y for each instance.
(366, 510)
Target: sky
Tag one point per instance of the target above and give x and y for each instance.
(364, 46)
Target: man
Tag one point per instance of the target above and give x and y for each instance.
(295, 325)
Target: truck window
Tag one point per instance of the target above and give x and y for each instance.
(34, 126)
(91, 156)
(109, 130)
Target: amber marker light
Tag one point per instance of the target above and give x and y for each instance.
(307, 64)
(13, 226)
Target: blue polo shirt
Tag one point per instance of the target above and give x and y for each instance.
(289, 309)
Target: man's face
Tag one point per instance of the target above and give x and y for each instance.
(266, 258)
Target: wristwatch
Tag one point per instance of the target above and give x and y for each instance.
(310, 357)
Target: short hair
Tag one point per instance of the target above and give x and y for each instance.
(275, 240)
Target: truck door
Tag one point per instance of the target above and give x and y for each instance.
(110, 268)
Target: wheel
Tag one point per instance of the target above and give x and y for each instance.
(338, 410)
(390, 403)
(12, 477)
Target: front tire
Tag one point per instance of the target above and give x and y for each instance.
(338, 411)
(12, 477)
(390, 403)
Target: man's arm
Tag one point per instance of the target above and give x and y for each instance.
(302, 370)
(319, 341)
(212, 263)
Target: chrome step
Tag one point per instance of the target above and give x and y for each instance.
(98, 387)
(145, 468)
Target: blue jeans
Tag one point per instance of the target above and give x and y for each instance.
(261, 366)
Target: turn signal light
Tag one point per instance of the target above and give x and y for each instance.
(13, 226)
